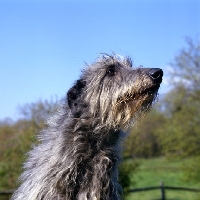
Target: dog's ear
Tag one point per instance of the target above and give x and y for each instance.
(74, 93)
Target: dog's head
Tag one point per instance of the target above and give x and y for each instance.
(114, 92)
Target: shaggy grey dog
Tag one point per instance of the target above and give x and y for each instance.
(79, 152)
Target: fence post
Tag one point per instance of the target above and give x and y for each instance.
(162, 187)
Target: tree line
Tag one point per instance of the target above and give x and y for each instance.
(172, 128)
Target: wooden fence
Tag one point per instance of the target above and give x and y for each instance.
(6, 194)
(162, 189)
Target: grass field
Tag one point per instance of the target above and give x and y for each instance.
(152, 171)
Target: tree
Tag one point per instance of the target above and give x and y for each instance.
(183, 103)
(173, 128)
(187, 117)
(16, 139)
(187, 65)
(142, 141)
(180, 134)
(38, 112)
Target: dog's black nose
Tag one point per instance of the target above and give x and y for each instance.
(156, 74)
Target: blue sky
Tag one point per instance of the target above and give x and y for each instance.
(44, 44)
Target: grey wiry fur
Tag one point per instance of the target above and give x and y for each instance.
(79, 152)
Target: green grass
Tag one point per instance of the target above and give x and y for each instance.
(152, 172)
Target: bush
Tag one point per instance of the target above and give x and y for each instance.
(126, 174)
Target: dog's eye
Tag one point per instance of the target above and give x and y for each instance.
(111, 71)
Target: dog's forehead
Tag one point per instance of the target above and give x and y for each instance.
(115, 60)
(98, 68)
(106, 61)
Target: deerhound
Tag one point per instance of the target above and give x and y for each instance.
(79, 152)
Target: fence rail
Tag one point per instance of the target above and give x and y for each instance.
(163, 188)
(6, 192)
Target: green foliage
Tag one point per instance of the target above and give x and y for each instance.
(173, 128)
(191, 170)
(181, 133)
(127, 169)
(38, 112)
(142, 140)
(16, 140)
